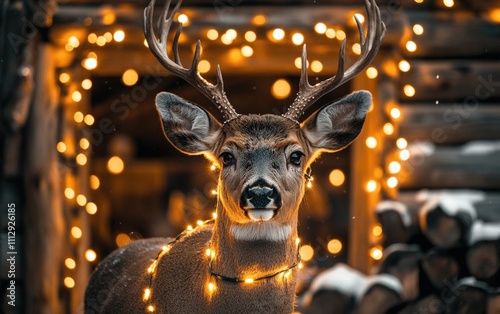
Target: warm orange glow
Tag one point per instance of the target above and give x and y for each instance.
(411, 46)
(91, 208)
(409, 90)
(64, 77)
(249, 280)
(90, 255)
(246, 51)
(306, 252)
(371, 186)
(371, 73)
(278, 34)
(449, 3)
(298, 39)
(76, 96)
(78, 117)
(316, 66)
(330, 33)
(404, 154)
(377, 230)
(122, 239)
(392, 182)
(281, 89)
(356, 48)
(388, 128)
(69, 282)
(183, 18)
(361, 17)
(371, 142)
(401, 143)
(494, 15)
(69, 193)
(130, 77)
(81, 200)
(334, 246)
(92, 38)
(320, 28)
(94, 182)
(115, 165)
(231, 34)
(394, 167)
(419, 1)
(404, 66)
(204, 66)
(250, 36)
(212, 34)
(376, 253)
(119, 36)
(226, 40)
(89, 63)
(89, 119)
(81, 159)
(336, 177)
(418, 29)
(86, 84)
(147, 294)
(259, 20)
(84, 143)
(101, 41)
(298, 63)
(151, 308)
(395, 113)
(61, 147)
(341, 35)
(76, 232)
(70, 263)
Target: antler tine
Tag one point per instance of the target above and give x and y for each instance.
(158, 47)
(370, 44)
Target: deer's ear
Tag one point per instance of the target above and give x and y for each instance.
(336, 125)
(188, 127)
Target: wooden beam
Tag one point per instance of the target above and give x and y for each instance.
(449, 123)
(462, 81)
(451, 167)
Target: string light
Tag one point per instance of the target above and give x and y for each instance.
(89, 119)
(214, 215)
(278, 34)
(281, 89)
(119, 36)
(340, 35)
(69, 193)
(298, 63)
(418, 29)
(247, 51)
(81, 200)
(401, 143)
(64, 77)
(76, 96)
(76, 232)
(91, 208)
(320, 28)
(395, 113)
(356, 48)
(61, 147)
(101, 41)
(108, 36)
(449, 3)
(371, 73)
(81, 159)
(394, 167)
(377, 230)
(334, 246)
(376, 253)
(212, 34)
(392, 182)
(86, 84)
(70, 263)
(204, 66)
(409, 90)
(404, 66)
(411, 46)
(388, 128)
(92, 38)
(371, 186)
(316, 66)
(130, 77)
(115, 165)
(336, 177)
(330, 33)
(183, 18)
(297, 39)
(89, 63)
(371, 142)
(73, 41)
(94, 182)
(69, 282)
(90, 255)
(404, 154)
(84, 143)
(226, 40)
(259, 20)
(250, 36)
(213, 191)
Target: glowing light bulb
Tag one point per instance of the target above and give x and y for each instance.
(147, 294)
(392, 182)
(115, 165)
(69, 282)
(130, 77)
(377, 231)
(212, 34)
(91, 208)
(69, 193)
(76, 232)
(81, 200)
(404, 66)
(78, 117)
(94, 182)
(278, 34)
(411, 46)
(86, 84)
(297, 39)
(404, 154)
(388, 129)
(401, 143)
(89, 119)
(394, 167)
(92, 38)
(76, 96)
(281, 89)
(316, 66)
(395, 113)
(337, 177)
(371, 142)
(449, 3)
(306, 252)
(61, 147)
(183, 18)
(70, 263)
(418, 29)
(409, 90)
(250, 36)
(90, 255)
(199, 223)
(151, 308)
(81, 159)
(204, 66)
(119, 36)
(249, 280)
(231, 34)
(371, 73)
(64, 77)
(320, 28)
(247, 51)
(376, 253)
(334, 246)
(89, 63)
(330, 33)
(341, 35)
(356, 48)
(371, 186)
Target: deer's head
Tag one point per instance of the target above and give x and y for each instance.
(263, 158)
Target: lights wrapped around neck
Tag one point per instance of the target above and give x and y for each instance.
(151, 270)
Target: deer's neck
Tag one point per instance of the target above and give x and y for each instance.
(250, 259)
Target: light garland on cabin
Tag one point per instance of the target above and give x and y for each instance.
(151, 270)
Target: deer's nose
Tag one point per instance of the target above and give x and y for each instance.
(260, 195)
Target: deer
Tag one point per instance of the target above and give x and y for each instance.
(246, 259)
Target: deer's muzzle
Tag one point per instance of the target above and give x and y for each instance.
(260, 200)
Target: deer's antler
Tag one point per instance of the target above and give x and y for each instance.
(158, 47)
(309, 94)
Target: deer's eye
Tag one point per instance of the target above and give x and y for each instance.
(296, 158)
(227, 159)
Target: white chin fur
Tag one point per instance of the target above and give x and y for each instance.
(261, 214)
(270, 231)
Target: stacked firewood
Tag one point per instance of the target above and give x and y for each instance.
(441, 255)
